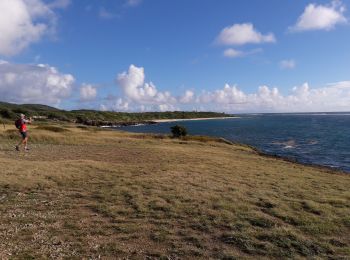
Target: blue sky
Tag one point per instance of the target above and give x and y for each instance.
(233, 56)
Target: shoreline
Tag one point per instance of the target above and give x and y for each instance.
(330, 169)
(158, 121)
(193, 119)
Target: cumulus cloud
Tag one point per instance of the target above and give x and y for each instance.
(87, 92)
(141, 96)
(116, 105)
(320, 17)
(132, 82)
(126, 105)
(233, 53)
(22, 83)
(240, 34)
(287, 64)
(227, 95)
(23, 22)
(188, 97)
(330, 98)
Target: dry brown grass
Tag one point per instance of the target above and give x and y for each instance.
(91, 193)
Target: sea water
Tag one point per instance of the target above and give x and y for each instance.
(319, 138)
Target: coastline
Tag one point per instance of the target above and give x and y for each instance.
(193, 119)
(329, 169)
(157, 121)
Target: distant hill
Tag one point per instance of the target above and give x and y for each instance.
(93, 117)
(27, 107)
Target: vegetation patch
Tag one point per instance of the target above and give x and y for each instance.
(52, 128)
(262, 222)
(311, 207)
(245, 243)
(160, 236)
(289, 244)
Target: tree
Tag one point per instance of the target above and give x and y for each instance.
(178, 131)
(5, 113)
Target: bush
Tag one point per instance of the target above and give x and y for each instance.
(50, 128)
(80, 119)
(5, 113)
(57, 116)
(21, 111)
(178, 131)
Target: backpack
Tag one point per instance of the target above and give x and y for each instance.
(18, 123)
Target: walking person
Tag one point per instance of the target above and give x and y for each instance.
(21, 125)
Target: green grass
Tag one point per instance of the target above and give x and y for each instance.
(51, 128)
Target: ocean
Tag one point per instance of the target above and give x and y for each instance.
(320, 138)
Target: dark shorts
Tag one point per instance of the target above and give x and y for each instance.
(24, 135)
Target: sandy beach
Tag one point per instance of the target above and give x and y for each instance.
(193, 119)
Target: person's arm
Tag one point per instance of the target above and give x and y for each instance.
(28, 121)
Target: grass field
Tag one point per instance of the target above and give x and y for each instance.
(88, 193)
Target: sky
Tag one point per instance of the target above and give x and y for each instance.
(234, 56)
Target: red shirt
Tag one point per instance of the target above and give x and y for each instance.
(23, 126)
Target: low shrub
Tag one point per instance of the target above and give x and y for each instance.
(178, 131)
(7, 114)
(50, 128)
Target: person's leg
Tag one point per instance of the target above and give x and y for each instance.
(25, 142)
(21, 142)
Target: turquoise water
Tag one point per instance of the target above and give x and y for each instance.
(322, 139)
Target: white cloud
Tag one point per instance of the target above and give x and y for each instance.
(134, 87)
(103, 107)
(331, 98)
(320, 17)
(133, 3)
(166, 107)
(232, 53)
(87, 92)
(240, 34)
(116, 105)
(21, 83)
(188, 97)
(23, 22)
(227, 95)
(126, 105)
(287, 64)
(141, 96)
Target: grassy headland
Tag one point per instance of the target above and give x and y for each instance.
(10, 111)
(86, 192)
